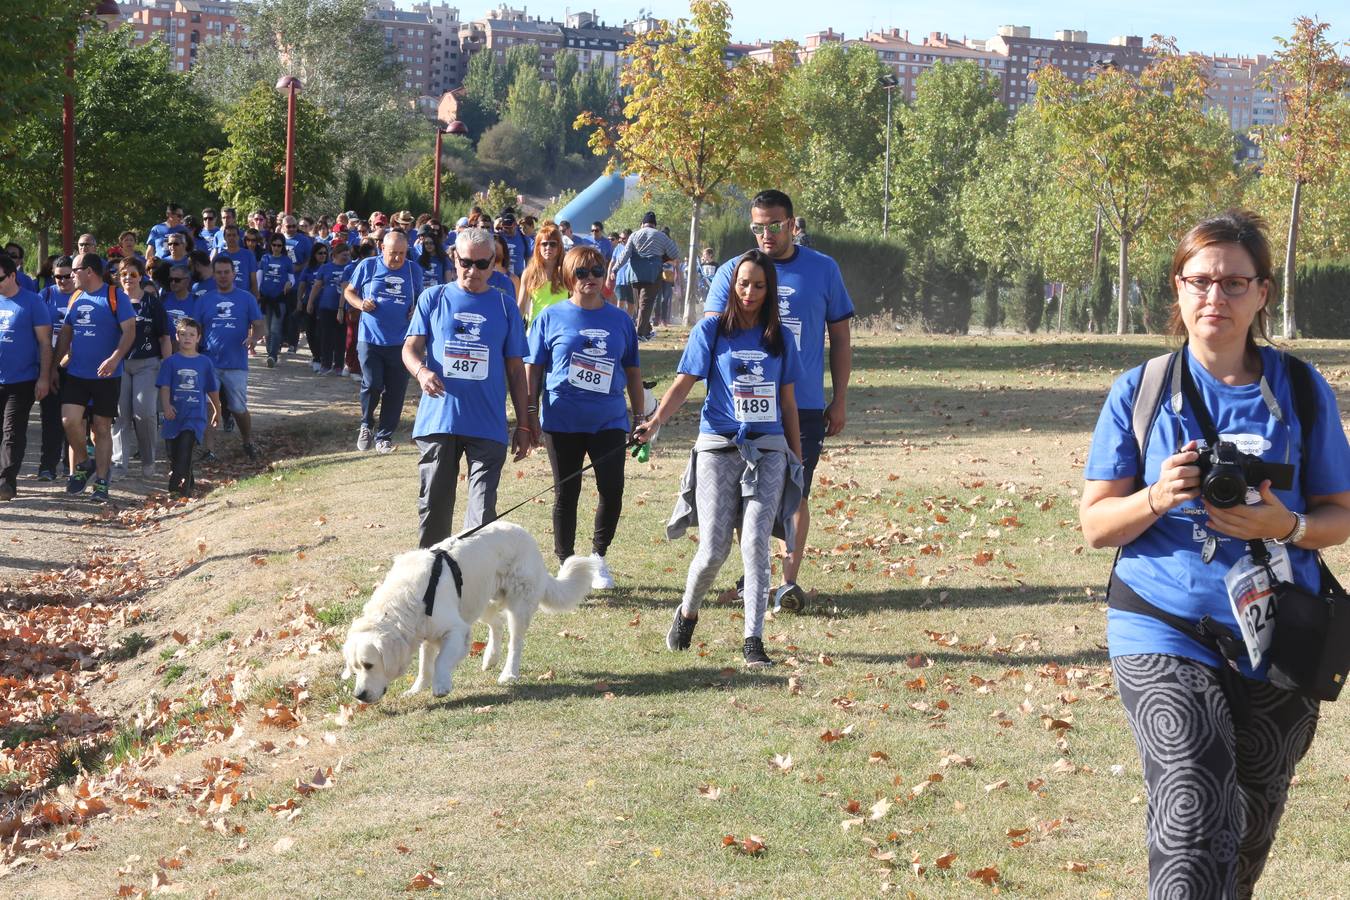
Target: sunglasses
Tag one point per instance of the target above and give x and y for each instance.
(59, 277)
(474, 263)
(177, 280)
(593, 271)
(771, 228)
(549, 244)
(208, 218)
(279, 244)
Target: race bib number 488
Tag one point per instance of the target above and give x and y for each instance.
(591, 373)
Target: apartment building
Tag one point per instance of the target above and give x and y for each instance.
(909, 60)
(506, 27)
(424, 39)
(1235, 87)
(185, 25)
(1069, 51)
(595, 44)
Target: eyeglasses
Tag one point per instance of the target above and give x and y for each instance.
(177, 279)
(1231, 285)
(593, 271)
(771, 228)
(473, 263)
(86, 244)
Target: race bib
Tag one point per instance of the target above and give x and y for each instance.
(1252, 597)
(590, 373)
(755, 402)
(466, 362)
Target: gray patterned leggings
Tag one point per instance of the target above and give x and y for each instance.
(721, 510)
(1215, 791)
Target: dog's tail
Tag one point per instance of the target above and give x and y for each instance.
(565, 593)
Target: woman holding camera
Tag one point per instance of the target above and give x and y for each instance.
(1218, 742)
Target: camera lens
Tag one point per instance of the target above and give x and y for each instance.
(1225, 486)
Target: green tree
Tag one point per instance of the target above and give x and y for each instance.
(250, 171)
(1031, 296)
(531, 106)
(34, 37)
(345, 68)
(498, 196)
(455, 191)
(838, 97)
(1310, 143)
(956, 106)
(1130, 146)
(485, 88)
(124, 173)
(507, 151)
(691, 121)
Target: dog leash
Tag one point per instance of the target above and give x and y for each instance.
(553, 487)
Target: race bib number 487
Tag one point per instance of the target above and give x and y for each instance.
(466, 361)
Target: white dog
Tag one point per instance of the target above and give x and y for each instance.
(504, 582)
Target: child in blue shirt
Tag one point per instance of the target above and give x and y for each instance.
(189, 396)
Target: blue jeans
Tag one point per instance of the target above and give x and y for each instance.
(384, 380)
(276, 314)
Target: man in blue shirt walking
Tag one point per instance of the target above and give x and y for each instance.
(25, 369)
(232, 322)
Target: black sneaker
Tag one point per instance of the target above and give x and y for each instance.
(208, 457)
(7, 492)
(789, 597)
(46, 475)
(251, 452)
(755, 657)
(100, 492)
(78, 479)
(681, 632)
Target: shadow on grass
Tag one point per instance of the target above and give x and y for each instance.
(1007, 353)
(594, 685)
(256, 551)
(940, 658)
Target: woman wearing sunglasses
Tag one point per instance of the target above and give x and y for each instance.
(583, 357)
(138, 403)
(745, 470)
(276, 291)
(542, 285)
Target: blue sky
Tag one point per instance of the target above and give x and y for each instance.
(1211, 26)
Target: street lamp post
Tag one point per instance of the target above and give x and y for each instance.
(108, 12)
(455, 127)
(888, 83)
(290, 84)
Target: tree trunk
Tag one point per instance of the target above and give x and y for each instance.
(1123, 311)
(1290, 329)
(43, 241)
(691, 310)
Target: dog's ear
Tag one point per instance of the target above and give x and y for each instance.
(346, 663)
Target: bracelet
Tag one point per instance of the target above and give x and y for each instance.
(418, 373)
(1297, 532)
(1148, 498)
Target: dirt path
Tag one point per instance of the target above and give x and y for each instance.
(46, 529)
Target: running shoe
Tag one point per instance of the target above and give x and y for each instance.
(46, 475)
(363, 439)
(7, 492)
(79, 478)
(603, 579)
(251, 452)
(384, 446)
(681, 632)
(271, 362)
(100, 492)
(789, 597)
(753, 651)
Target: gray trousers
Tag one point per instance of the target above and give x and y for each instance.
(137, 410)
(438, 476)
(721, 510)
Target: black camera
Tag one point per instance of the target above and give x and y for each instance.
(1226, 473)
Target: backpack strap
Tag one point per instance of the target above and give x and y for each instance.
(1158, 372)
(1304, 390)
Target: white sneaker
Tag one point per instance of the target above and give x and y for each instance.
(354, 377)
(603, 580)
(314, 366)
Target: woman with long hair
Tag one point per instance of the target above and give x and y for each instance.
(139, 402)
(583, 358)
(1217, 739)
(744, 473)
(431, 257)
(541, 285)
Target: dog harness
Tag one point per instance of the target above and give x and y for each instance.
(437, 557)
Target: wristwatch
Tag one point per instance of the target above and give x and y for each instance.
(1300, 529)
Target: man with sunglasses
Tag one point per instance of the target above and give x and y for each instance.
(602, 243)
(298, 244)
(228, 217)
(178, 301)
(517, 243)
(245, 263)
(86, 243)
(97, 335)
(645, 254)
(384, 287)
(25, 370)
(57, 297)
(210, 232)
(156, 242)
(465, 346)
(812, 303)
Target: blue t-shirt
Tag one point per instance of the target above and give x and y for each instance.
(330, 276)
(95, 331)
(394, 292)
(57, 303)
(209, 238)
(151, 325)
(189, 379)
(519, 246)
(1163, 564)
(469, 337)
(298, 248)
(228, 319)
(274, 276)
(433, 272)
(177, 309)
(744, 380)
(811, 295)
(201, 288)
(584, 353)
(19, 315)
(245, 264)
(605, 247)
(160, 233)
(25, 282)
(503, 282)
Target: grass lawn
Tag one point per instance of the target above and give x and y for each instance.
(946, 700)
